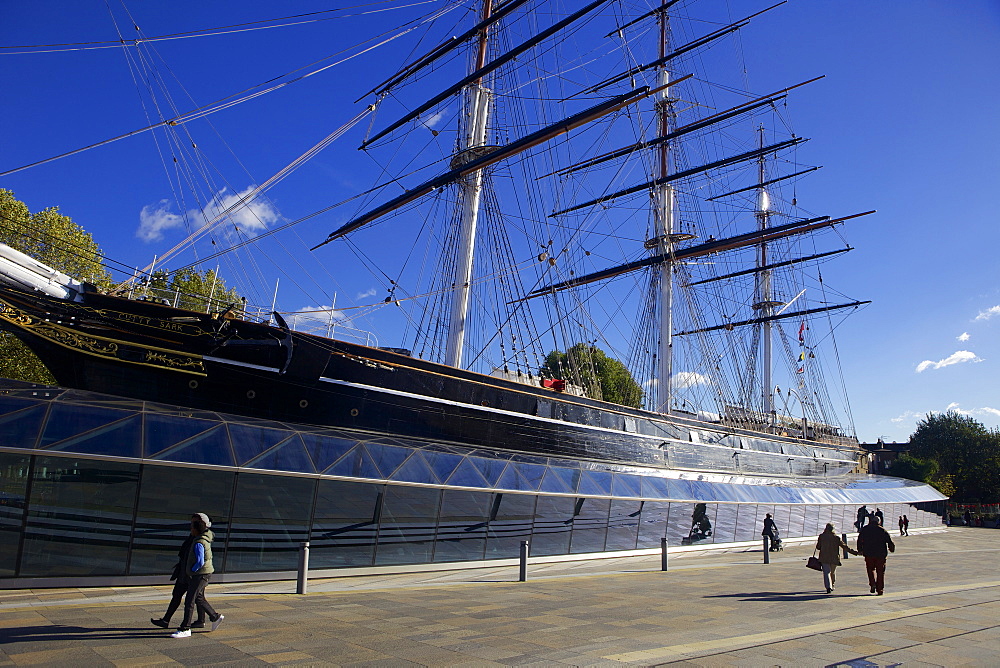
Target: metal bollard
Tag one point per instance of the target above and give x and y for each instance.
(523, 576)
(767, 549)
(843, 537)
(663, 554)
(303, 581)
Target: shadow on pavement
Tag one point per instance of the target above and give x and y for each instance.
(57, 632)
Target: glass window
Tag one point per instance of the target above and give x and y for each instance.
(653, 524)
(408, 522)
(461, 534)
(67, 420)
(748, 527)
(623, 524)
(345, 524)
(795, 517)
(701, 527)
(590, 525)
(811, 525)
(20, 429)
(122, 439)
(79, 517)
(270, 519)
(510, 523)
(13, 486)
(168, 496)
(725, 523)
(553, 524)
(164, 431)
(249, 442)
(681, 521)
(207, 447)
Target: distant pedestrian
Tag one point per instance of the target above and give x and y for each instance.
(901, 533)
(770, 528)
(875, 543)
(906, 526)
(862, 516)
(829, 545)
(198, 566)
(967, 518)
(180, 579)
(880, 517)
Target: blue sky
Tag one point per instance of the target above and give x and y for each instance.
(904, 122)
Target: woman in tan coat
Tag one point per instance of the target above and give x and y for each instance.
(829, 545)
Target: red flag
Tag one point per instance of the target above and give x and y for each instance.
(802, 328)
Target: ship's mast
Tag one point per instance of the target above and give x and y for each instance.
(477, 106)
(765, 304)
(662, 242)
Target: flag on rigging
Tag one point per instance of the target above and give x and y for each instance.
(802, 329)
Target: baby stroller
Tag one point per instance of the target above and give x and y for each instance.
(776, 544)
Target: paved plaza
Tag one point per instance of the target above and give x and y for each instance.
(941, 608)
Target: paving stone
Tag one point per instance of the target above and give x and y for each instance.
(705, 611)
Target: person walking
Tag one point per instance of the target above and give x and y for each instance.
(906, 525)
(829, 545)
(862, 516)
(199, 568)
(770, 528)
(880, 517)
(901, 532)
(875, 543)
(180, 579)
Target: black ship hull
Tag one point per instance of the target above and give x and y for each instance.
(149, 351)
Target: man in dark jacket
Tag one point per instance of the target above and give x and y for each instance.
(875, 543)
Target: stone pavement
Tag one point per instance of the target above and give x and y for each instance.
(941, 608)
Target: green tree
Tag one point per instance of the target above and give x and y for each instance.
(55, 240)
(192, 290)
(601, 377)
(965, 451)
(924, 470)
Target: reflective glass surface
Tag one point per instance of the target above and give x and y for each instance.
(270, 519)
(590, 525)
(13, 487)
(20, 429)
(725, 523)
(653, 524)
(511, 518)
(345, 524)
(409, 521)
(79, 517)
(167, 498)
(623, 524)
(461, 533)
(553, 525)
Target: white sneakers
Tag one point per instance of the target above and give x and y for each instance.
(186, 633)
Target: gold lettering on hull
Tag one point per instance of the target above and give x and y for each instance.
(99, 346)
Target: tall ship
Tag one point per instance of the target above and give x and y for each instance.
(612, 300)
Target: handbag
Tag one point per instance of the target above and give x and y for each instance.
(814, 563)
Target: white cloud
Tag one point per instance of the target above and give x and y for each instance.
(154, 219)
(370, 292)
(990, 411)
(684, 379)
(955, 358)
(906, 416)
(250, 217)
(434, 120)
(314, 319)
(988, 313)
(963, 337)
